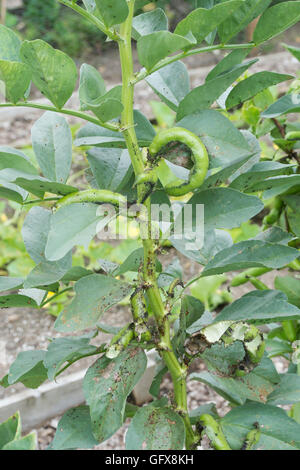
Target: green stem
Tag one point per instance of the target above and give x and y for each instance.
(214, 432)
(69, 112)
(182, 55)
(90, 17)
(47, 301)
(178, 372)
(38, 201)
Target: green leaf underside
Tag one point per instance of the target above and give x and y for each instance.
(63, 350)
(52, 144)
(278, 431)
(10, 430)
(204, 96)
(16, 77)
(112, 12)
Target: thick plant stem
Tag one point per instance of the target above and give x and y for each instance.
(177, 371)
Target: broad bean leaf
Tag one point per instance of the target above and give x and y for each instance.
(74, 430)
(53, 72)
(291, 287)
(275, 20)
(111, 168)
(171, 83)
(69, 349)
(90, 5)
(277, 185)
(10, 44)
(52, 145)
(156, 46)
(72, 225)
(16, 78)
(12, 192)
(289, 103)
(226, 208)
(150, 22)
(35, 184)
(206, 247)
(278, 431)
(155, 429)
(48, 272)
(224, 358)
(275, 235)
(28, 442)
(35, 233)
(253, 85)
(94, 135)
(293, 50)
(249, 10)
(133, 263)
(277, 347)
(287, 391)
(203, 21)
(91, 86)
(222, 139)
(107, 106)
(94, 295)
(8, 283)
(259, 172)
(256, 385)
(250, 254)
(38, 295)
(229, 172)
(75, 273)
(10, 429)
(266, 306)
(231, 60)
(28, 369)
(12, 158)
(106, 387)
(112, 12)
(15, 300)
(203, 96)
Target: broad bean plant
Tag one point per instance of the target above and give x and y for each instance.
(186, 188)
